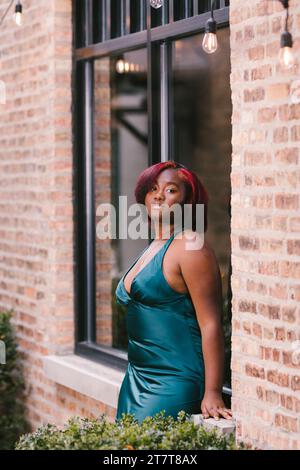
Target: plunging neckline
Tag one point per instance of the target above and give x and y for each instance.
(144, 267)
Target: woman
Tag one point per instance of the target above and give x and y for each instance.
(174, 303)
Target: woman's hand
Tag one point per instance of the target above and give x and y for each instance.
(213, 406)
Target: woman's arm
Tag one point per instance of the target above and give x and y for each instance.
(201, 274)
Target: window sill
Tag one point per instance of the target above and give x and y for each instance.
(90, 378)
(103, 383)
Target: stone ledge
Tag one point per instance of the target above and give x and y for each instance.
(224, 426)
(90, 378)
(103, 383)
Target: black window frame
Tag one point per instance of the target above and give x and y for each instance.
(157, 40)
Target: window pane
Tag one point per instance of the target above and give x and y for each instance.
(202, 135)
(137, 15)
(156, 16)
(121, 153)
(116, 11)
(79, 23)
(98, 20)
(182, 9)
(205, 5)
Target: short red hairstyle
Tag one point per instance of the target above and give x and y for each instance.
(195, 191)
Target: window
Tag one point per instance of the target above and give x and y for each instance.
(162, 105)
(120, 154)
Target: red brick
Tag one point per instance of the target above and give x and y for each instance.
(254, 371)
(267, 114)
(278, 378)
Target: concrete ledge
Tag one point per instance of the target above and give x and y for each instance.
(223, 426)
(103, 383)
(90, 378)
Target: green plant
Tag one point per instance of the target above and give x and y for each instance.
(12, 421)
(157, 432)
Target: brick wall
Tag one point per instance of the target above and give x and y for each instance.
(36, 208)
(265, 226)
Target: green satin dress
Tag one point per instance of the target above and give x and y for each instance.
(165, 362)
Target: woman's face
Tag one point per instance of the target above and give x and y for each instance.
(167, 190)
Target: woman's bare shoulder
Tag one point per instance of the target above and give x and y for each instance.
(196, 257)
(193, 242)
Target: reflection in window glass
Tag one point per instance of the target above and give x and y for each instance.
(202, 140)
(121, 153)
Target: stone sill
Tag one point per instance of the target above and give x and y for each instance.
(103, 383)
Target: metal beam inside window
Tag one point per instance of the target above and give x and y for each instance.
(88, 152)
(173, 30)
(112, 19)
(106, 21)
(143, 15)
(195, 7)
(171, 11)
(166, 100)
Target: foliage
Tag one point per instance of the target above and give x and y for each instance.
(157, 432)
(12, 421)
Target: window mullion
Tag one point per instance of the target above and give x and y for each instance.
(143, 15)
(126, 17)
(171, 11)
(165, 101)
(195, 7)
(107, 19)
(188, 8)
(122, 18)
(89, 301)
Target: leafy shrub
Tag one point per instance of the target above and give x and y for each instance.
(157, 432)
(12, 421)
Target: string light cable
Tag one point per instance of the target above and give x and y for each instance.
(6, 11)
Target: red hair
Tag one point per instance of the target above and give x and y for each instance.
(195, 190)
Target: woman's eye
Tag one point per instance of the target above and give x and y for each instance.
(172, 190)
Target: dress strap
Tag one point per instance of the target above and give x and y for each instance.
(169, 241)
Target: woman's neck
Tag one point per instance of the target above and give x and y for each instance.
(164, 232)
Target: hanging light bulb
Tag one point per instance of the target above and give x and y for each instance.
(210, 42)
(156, 3)
(18, 17)
(120, 66)
(286, 56)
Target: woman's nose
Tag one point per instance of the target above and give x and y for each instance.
(158, 196)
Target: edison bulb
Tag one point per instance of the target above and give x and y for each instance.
(18, 17)
(156, 3)
(286, 57)
(210, 43)
(120, 66)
